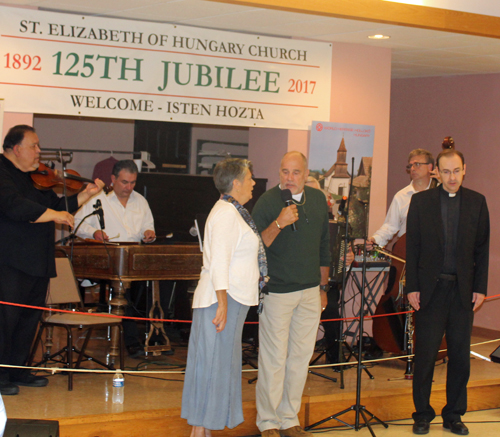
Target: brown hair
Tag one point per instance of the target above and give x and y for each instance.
(448, 153)
(418, 152)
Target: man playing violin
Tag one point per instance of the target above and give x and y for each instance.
(27, 225)
(127, 218)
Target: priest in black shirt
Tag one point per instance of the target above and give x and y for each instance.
(447, 252)
(27, 229)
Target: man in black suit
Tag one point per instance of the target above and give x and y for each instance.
(27, 227)
(447, 275)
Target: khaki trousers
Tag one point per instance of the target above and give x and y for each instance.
(288, 327)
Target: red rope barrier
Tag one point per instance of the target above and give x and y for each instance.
(189, 321)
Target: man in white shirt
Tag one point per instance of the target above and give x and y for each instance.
(420, 168)
(127, 216)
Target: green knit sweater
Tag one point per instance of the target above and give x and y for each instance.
(294, 258)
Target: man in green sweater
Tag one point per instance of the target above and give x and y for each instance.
(298, 268)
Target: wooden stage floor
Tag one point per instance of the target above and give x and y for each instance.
(152, 401)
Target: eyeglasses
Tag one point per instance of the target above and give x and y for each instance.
(416, 164)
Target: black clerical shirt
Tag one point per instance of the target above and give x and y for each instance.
(27, 246)
(450, 213)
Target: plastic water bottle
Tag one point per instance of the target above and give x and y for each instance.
(118, 388)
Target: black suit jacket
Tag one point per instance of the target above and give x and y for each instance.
(24, 245)
(425, 244)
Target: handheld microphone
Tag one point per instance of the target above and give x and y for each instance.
(286, 196)
(99, 212)
(342, 205)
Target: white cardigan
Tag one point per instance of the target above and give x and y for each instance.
(230, 258)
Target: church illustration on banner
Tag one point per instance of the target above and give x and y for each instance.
(336, 181)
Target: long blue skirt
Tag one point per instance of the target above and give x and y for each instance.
(212, 384)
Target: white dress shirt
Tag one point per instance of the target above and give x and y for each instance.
(129, 222)
(395, 221)
(230, 258)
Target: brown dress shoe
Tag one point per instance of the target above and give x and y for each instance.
(295, 431)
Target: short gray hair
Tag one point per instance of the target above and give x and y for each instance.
(228, 170)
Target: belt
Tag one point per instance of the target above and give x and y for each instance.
(447, 277)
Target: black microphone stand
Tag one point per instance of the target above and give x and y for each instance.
(344, 212)
(359, 409)
(345, 275)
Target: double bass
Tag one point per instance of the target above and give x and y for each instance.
(394, 332)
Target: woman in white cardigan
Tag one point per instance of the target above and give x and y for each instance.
(234, 267)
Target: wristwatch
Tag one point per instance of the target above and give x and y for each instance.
(325, 288)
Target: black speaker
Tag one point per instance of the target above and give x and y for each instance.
(495, 355)
(31, 428)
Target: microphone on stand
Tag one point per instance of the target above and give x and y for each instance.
(99, 212)
(286, 196)
(342, 206)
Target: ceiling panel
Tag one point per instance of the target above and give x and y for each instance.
(182, 11)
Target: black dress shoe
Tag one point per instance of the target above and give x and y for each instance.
(456, 427)
(8, 389)
(32, 381)
(421, 427)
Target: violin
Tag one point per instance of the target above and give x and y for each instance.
(45, 178)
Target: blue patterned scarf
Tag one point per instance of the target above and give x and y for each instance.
(262, 253)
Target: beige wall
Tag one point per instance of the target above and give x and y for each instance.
(11, 119)
(266, 147)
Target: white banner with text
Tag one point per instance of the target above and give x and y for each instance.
(54, 63)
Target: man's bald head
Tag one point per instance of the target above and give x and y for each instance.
(293, 172)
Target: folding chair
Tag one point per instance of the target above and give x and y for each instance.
(64, 290)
